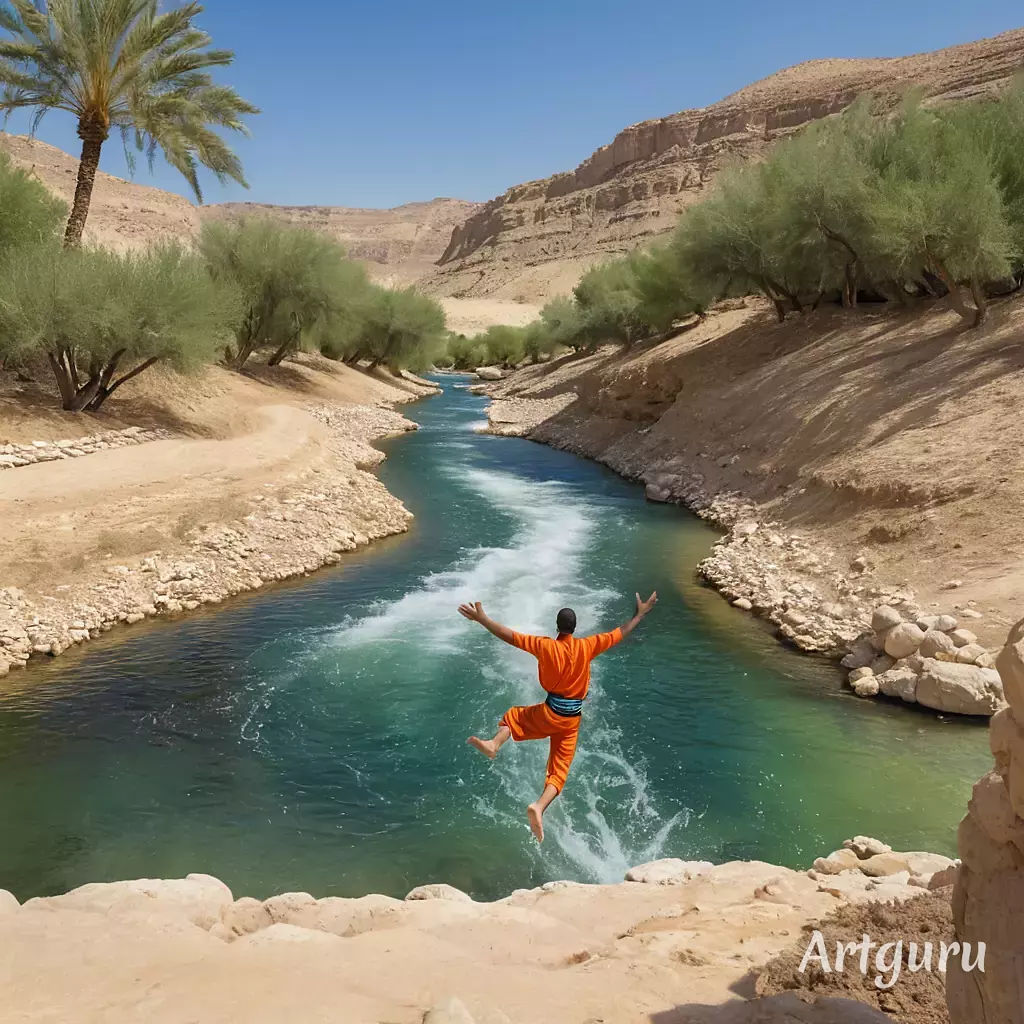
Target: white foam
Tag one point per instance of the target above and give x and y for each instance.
(524, 584)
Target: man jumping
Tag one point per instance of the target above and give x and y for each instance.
(564, 671)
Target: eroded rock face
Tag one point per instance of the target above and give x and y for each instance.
(635, 188)
(988, 904)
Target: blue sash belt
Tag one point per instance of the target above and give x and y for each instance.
(567, 707)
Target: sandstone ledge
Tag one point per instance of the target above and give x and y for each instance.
(685, 935)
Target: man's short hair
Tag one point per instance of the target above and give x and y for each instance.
(566, 621)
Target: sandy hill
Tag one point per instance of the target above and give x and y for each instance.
(403, 243)
(539, 237)
(399, 246)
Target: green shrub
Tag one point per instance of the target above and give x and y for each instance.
(398, 327)
(296, 284)
(101, 318)
(29, 215)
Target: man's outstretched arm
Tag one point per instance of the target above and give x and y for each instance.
(642, 608)
(475, 613)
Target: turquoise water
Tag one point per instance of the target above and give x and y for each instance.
(313, 737)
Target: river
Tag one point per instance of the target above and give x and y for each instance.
(312, 737)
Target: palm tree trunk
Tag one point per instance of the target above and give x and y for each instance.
(93, 137)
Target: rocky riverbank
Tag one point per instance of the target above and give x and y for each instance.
(817, 601)
(676, 941)
(321, 510)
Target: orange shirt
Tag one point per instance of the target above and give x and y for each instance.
(564, 663)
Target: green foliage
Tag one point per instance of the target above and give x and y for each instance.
(607, 302)
(128, 66)
(28, 213)
(297, 287)
(503, 345)
(399, 328)
(462, 353)
(95, 314)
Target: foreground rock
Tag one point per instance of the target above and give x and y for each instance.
(988, 905)
(673, 947)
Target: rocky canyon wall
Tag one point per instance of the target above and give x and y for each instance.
(538, 238)
(988, 904)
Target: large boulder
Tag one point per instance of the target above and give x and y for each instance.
(490, 373)
(960, 689)
(865, 847)
(903, 640)
(934, 643)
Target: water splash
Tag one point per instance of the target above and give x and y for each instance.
(605, 821)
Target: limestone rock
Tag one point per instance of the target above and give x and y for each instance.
(882, 864)
(885, 617)
(946, 623)
(933, 642)
(198, 898)
(861, 654)
(882, 664)
(669, 871)
(867, 687)
(899, 682)
(903, 640)
(990, 807)
(245, 916)
(296, 908)
(963, 637)
(865, 847)
(970, 653)
(947, 876)
(439, 891)
(837, 862)
(859, 673)
(1010, 665)
(743, 604)
(921, 863)
(490, 373)
(960, 689)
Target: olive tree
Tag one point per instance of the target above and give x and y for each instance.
(102, 318)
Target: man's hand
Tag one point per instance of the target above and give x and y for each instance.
(643, 607)
(475, 611)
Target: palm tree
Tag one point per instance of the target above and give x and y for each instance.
(122, 64)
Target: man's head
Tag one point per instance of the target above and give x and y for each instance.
(566, 621)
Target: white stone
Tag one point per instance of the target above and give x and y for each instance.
(439, 891)
(970, 653)
(963, 637)
(669, 871)
(866, 687)
(935, 642)
(865, 846)
(903, 640)
(860, 673)
(946, 623)
(885, 617)
(8, 902)
(743, 604)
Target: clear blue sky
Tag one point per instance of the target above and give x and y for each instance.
(381, 103)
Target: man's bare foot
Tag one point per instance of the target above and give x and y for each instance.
(535, 816)
(484, 746)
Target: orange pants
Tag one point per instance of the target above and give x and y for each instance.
(537, 721)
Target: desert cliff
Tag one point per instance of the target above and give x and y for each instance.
(536, 239)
